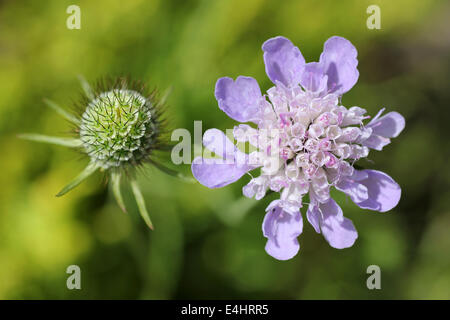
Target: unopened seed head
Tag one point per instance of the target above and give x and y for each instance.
(118, 128)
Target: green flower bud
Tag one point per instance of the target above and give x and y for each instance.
(119, 128)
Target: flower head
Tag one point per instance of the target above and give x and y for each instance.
(306, 142)
(119, 127)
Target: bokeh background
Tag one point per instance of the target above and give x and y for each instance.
(208, 243)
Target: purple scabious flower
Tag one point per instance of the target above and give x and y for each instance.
(304, 142)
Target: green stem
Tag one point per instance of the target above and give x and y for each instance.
(90, 169)
(86, 87)
(141, 203)
(115, 180)
(63, 113)
(171, 172)
(66, 142)
(166, 94)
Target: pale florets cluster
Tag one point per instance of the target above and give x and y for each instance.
(306, 143)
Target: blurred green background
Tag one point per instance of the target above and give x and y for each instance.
(208, 243)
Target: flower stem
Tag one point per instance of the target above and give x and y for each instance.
(66, 142)
(63, 113)
(171, 172)
(90, 169)
(115, 179)
(141, 203)
(86, 87)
